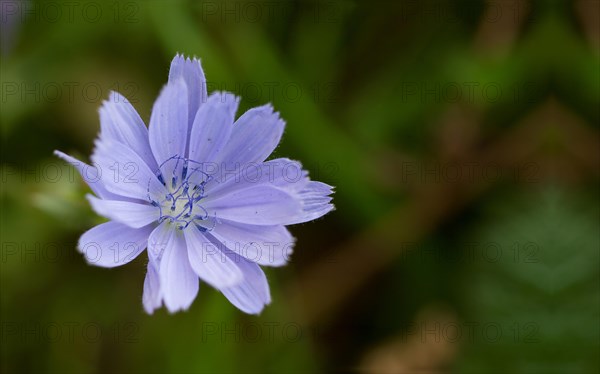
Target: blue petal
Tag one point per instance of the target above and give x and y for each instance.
(280, 172)
(253, 293)
(168, 130)
(113, 244)
(260, 205)
(265, 245)
(125, 173)
(129, 213)
(251, 196)
(90, 176)
(157, 242)
(190, 70)
(212, 126)
(152, 297)
(210, 263)
(120, 122)
(254, 137)
(178, 282)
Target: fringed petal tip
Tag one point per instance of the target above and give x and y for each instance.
(113, 98)
(182, 57)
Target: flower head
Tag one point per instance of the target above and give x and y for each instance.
(195, 189)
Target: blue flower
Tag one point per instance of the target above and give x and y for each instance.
(195, 190)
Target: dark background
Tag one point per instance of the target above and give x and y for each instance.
(461, 136)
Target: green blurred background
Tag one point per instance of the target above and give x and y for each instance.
(462, 138)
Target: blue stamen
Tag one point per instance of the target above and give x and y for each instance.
(187, 186)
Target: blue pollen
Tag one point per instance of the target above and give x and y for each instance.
(181, 206)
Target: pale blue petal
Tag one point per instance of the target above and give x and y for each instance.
(152, 297)
(208, 261)
(113, 244)
(132, 214)
(178, 284)
(125, 173)
(157, 242)
(265, 245)
(178, 281)
(280, 172)
(168, 130)
(212, 127)
(253, 293)
(190, 70)
(254, 137)
(270, 202)
(119, 121)
(90, 176)
(260, 205)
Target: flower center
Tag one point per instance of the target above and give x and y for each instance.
(185, 183)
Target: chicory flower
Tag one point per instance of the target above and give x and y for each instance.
(195, 189)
